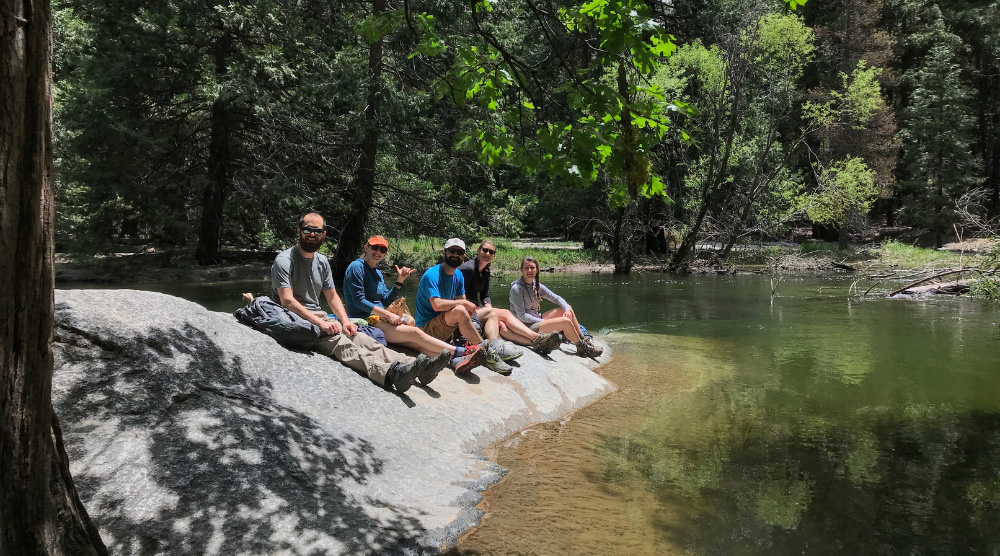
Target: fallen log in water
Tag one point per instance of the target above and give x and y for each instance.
(957, 287)
(910, 288)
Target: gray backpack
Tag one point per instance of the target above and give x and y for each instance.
(289, 329)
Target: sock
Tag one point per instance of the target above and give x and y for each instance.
(459, 352)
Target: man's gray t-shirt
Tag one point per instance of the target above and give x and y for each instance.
(308, 278)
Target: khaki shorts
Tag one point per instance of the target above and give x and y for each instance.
(438, 328)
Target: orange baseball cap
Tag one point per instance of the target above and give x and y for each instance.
(378, 240)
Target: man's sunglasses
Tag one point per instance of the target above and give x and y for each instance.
(455, 251)
(488, 251)
(309, 230)
(379, 248)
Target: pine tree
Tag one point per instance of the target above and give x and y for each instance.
(937, 135)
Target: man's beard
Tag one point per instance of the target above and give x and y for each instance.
(453, 262)
(310, 245)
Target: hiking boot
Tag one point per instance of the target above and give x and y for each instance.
(545, 342)
(505, 350)
(434, 367)
(401, 376)
(494, 363)
(584, 349)
(595, 349)
(473, 358)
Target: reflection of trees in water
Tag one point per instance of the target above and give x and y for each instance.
(239, 473)
(920, 480)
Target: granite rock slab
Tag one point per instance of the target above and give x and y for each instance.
(189, 433)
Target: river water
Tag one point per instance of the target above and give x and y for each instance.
(803, 423)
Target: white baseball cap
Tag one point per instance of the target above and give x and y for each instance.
(454, 242)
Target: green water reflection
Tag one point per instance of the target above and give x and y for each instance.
(823, 426)
(803, 424)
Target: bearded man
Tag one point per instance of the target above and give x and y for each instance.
(300, 277)
(442, 307)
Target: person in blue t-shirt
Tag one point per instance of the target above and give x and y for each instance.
(442, 307)
(365, 293)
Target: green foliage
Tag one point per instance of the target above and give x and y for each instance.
(858, 100)
(424, 252)
(845, 188)
(811, 246)
(736, 145)
(987, 285)
(895, 253)
(937, 139)
(607, 121)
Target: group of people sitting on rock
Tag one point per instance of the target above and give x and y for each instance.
(453, 301)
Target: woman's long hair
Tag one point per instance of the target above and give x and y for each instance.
(536, 296)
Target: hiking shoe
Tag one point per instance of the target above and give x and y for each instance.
(401, 376)
(434, 367)
(469, 361)
(584, 349)
(505, 350)
(545, 342)
(494, 363)
(595, 349)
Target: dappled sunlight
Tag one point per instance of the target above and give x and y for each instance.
(225, 468)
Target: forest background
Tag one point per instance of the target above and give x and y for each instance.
(639, 127)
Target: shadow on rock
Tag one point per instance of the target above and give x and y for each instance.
(185, 454)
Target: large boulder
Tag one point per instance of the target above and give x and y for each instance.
(190, 433)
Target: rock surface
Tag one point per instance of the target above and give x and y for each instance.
(192, 434)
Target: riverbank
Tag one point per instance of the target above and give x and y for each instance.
(151, 265)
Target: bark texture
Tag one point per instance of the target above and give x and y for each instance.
(40, 512)
(352, 235)
(220, 165)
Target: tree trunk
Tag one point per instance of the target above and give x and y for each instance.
(220, 166)
(687, 247)
(352, 235)
(623, 239)
(40, 512)
(844, 237)
(993, 172)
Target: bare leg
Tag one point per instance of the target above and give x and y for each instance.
(460, 318)
(491, 324)
(561, 324)
(413, 337)
(515, 337)
(516, 331)
(559, 312)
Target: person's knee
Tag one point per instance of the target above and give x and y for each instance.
(487, 314)
(457, 315)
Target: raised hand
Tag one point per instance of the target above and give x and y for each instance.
(402, 273)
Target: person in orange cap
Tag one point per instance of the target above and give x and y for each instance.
(365, 293)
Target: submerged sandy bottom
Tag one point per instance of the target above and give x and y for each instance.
(557, 498)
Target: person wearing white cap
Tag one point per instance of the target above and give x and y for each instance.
(442, 307)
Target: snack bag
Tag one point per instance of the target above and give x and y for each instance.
(398, 307)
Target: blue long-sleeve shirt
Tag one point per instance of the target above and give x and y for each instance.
(364, 289)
